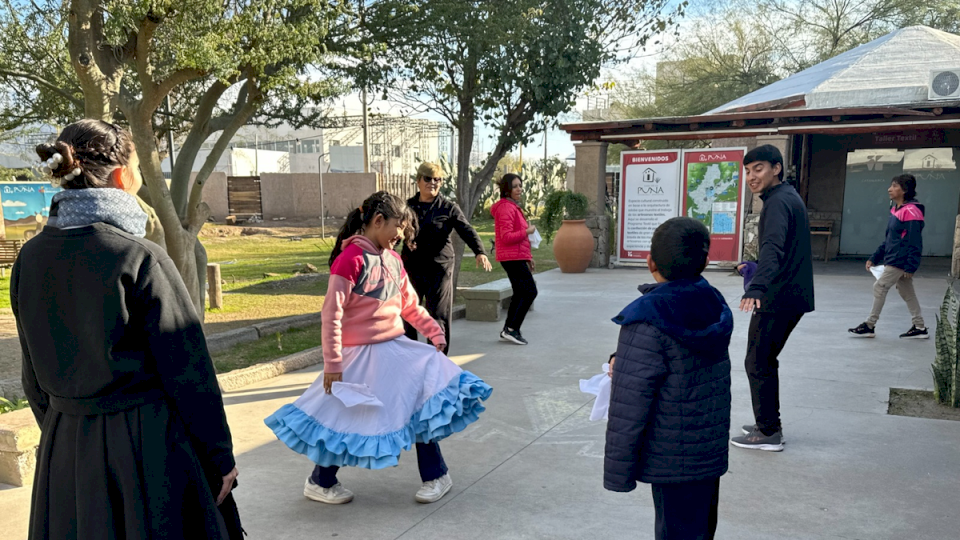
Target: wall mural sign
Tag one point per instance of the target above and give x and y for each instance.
(24, 205)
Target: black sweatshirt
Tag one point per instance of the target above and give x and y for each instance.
(783, 281)
(436, 221)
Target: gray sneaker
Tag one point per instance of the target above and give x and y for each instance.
(758, 441)
(750, 429)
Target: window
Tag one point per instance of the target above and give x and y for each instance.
(378, 149)
(335, 142)
(397, 152)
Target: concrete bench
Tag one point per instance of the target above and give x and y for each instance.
(19, 437)
(485, 302)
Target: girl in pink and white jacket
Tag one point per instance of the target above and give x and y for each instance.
(380, 392)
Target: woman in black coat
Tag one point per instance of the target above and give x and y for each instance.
(134, 443)
(430, 265)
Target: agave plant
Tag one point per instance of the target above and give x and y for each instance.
(946, 366)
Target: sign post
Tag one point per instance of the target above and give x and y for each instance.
(713, 194)
(649, 195)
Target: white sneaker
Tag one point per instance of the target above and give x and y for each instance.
(331, 495)
(434, 490)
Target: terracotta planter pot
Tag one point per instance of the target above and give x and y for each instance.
(573, 246)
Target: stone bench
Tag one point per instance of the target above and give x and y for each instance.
(19, 437)
(485, 302)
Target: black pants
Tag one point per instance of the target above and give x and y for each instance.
(524, 292)
(434, 284)
(767, 335)
(686, 511)
(429, 460)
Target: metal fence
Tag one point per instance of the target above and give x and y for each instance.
(398, 184)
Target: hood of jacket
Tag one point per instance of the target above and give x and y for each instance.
(362, 242)
(690, 311)
(914, 202)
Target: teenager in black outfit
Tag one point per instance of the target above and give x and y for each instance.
(779, 294)
(135, 442)
(430, 265)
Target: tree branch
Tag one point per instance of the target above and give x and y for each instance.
(42, 82)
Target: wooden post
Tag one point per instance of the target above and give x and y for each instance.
(955, 267)
(214, 286)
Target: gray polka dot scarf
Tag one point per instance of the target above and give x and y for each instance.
(82, 207)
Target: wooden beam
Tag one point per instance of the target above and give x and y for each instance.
(938, 111)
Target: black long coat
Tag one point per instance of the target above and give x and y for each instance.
(116, 369)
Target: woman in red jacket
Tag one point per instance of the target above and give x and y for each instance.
(513, 253)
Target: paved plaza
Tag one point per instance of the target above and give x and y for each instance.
(532, 466)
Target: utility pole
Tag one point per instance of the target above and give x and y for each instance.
(366, 130)
(544, 157)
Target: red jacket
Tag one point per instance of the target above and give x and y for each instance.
(510, 227)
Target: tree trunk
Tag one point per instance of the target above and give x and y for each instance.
(181, 243)
(98, 66)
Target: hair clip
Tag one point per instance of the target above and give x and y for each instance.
(72, 174)
(51, 164)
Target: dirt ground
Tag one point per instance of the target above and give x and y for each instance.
(304, 228)
(919, 404)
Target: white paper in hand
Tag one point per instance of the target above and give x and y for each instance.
(535, 239)
(351, 394)
(598, 385)
(877, 271)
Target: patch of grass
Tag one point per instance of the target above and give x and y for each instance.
(5, 289)
(9, 406)
(267, 348)
(245, 259)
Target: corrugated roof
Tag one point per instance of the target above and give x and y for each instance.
(892, 70)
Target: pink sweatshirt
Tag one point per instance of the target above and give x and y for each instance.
(368, 298)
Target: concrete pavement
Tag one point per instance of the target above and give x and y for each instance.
(532, 466)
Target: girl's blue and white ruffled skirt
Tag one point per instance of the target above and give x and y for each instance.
(393, 394)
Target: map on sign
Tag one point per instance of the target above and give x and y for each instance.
(712, 190)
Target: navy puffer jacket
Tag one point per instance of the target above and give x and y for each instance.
(669, 417)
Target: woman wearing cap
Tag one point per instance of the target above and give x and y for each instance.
(430, 265)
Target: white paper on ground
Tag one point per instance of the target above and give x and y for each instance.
(877, 271)
(598, 385)
(351, 394)
(535, 239)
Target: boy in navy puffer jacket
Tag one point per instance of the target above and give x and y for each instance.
(669, 416)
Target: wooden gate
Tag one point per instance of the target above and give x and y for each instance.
(243, 196)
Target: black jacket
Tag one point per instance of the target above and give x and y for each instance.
(436, 221)
(783, 281)
(669, 416)
(903, 243)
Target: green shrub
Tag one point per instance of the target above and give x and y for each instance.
(9, 406)
(561, 205)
